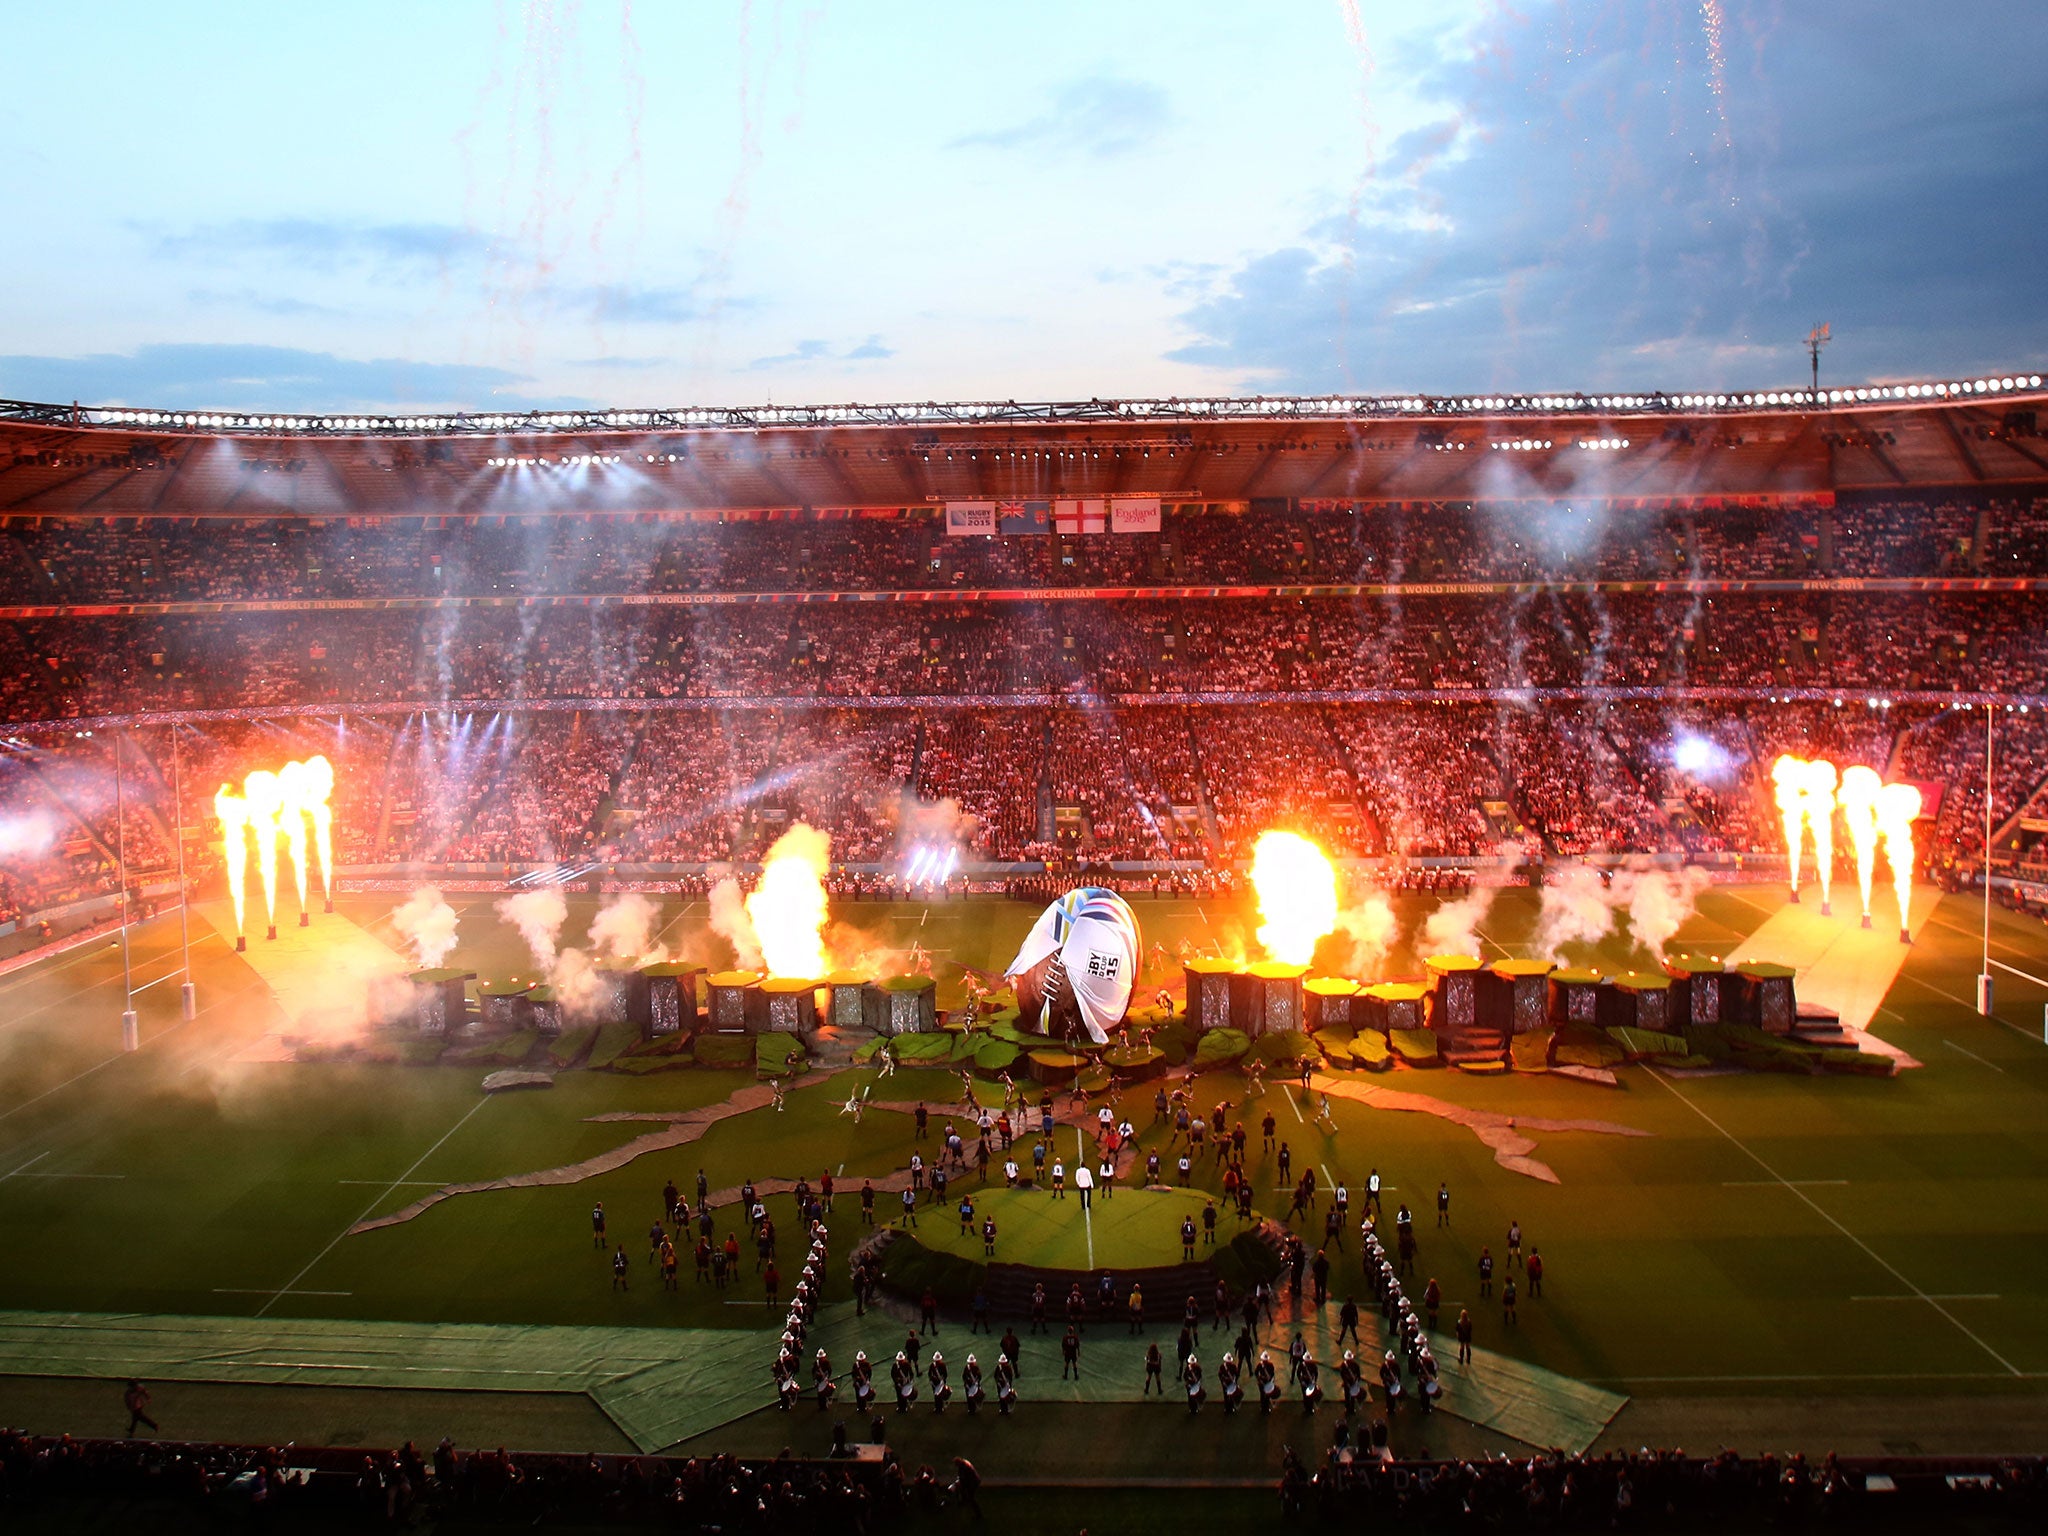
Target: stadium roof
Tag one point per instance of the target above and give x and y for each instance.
(73, 461)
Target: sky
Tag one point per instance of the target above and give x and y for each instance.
(513, 206)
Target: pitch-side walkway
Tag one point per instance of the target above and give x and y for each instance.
(1840, 964)
(1504, 1133)
(662, 1386)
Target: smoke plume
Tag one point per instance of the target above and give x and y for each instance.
(538, 915)
(1453, 929)
(1578, 908)
(624, 929)
(427, 923)
(730, 921)
(1371, 926)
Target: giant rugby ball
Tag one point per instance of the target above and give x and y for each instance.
(1078, 965)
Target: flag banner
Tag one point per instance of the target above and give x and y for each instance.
(1134, 514)
(1023, 517)
(1084, 514)
(970, 519)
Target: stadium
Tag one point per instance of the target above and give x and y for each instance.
(1464, 957)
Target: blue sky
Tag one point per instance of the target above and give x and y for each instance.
(507, 205)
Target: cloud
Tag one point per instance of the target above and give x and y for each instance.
(812, 350)
(235, 377)
(1100, 116)
(617, 362)
(262, 303)
(1584, 217)
(329, 243)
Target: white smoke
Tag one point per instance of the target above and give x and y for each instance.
(624, 929)
(577, 985)
(1371, 926)
(1578, 908)
(1453, 929)
(427, 923)
(1659, 902)
(731, 922)
(538, 915)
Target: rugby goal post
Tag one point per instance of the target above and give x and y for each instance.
(1984, 991)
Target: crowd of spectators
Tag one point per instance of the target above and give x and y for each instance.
(1212, 649)
(1080, 785)
(857, 1491)
(59, 560)
(1071, 731)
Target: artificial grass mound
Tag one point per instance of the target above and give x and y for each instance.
(1415, 1047)
(504, 1051)
(1220, 1047)
(1531, 1051)
(910, 1269)
(778, 1055)
(1281, 1045)
(571, 1045)
(612, 1042)
(716, 1050)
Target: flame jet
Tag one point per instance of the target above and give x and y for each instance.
(1898, 807)
(1297, 888)
(234, 835)
(1860, 789)
(292, 795)
(319, 783)
(265, 799)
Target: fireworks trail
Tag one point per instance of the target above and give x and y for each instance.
(1711, 22)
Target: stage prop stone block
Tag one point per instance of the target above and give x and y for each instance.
(1526, 984)
(1272, 998)
(612, 994)
(503, 1007)
(1327, 1001)
(1574, 996)
(1641, 1000)
(439, 1004)
(1392, 1005)
(732, 1002)
(1209, 987)
(671, 998)
(1453, 993)
(844, 1008)
(547, 1010)
(792, 1005)
(1763, 997)
(902, 1005)
(1698, 989)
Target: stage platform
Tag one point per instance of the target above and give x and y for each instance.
(1839, 963)
(321, 975)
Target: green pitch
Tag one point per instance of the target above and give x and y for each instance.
(1772, 1236)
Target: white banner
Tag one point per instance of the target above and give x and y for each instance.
(970, 519)
(1134, 514)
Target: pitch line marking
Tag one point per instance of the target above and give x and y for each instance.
(1812, 1205)
(396, 1183)
(1779, 1183)
(1956, 1296)
(1739, 1380)
(1289, 1091)
(1087, 1211)
(235, 1290)
(24, 1167)
(1994, 1066)
(1967, 1002)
